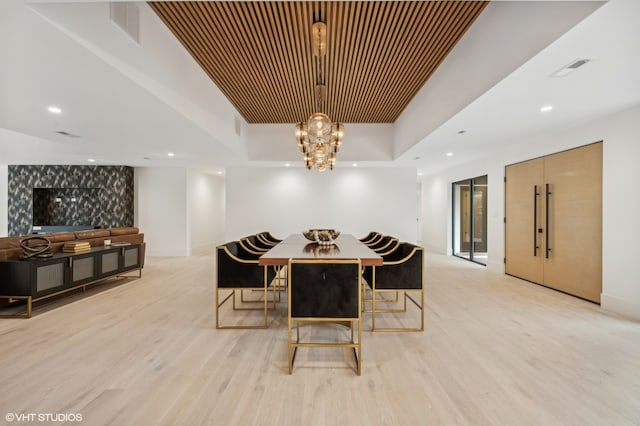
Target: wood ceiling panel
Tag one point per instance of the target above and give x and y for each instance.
(379, 53)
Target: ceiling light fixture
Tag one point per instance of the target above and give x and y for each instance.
(170, 154)
(318, 138)
(449, 154)
(54, 110)
(546, 108)
(91, 160)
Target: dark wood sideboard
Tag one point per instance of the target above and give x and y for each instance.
(36, 279)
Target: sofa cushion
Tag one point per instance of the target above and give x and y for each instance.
(56, 237)
(92, 233)
(10, 242)
(124, 231)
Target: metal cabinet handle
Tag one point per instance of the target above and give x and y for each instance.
(546, 237)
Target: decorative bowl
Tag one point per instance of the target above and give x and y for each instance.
(321, 236)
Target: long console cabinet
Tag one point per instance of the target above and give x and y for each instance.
(36, 279)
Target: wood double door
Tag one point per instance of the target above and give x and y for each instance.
(553, 221)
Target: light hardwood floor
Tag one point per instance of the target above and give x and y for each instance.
(496, 351)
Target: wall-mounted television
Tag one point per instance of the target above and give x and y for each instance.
(67, 207)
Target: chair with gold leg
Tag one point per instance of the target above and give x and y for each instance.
(402, 270)
(235, 273)
(252, 251)
(325, 291)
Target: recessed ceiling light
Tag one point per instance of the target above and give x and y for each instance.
(91, 160)
(449, 154)
(287, 165)
(355, 164)
(54, 110)
(417, 158)
(546, 108)
(419, 173)
(170, 154)
(462, 132)
(219, 172)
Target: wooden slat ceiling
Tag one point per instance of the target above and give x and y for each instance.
(379, 53)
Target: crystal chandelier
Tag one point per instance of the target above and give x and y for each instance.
(318, 138)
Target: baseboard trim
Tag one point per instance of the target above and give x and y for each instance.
(620, 306)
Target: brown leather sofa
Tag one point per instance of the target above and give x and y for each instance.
(10, 246)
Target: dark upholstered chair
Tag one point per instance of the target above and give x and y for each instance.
(254, 248)
(401, 270)
(390, 246)
(250, 248)
(268, 238)
(369, 236)
(377, 237)
(325, 291)
(258, 243)
(381, 243)
(235, 272)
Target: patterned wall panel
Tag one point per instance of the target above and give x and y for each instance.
(81, 195)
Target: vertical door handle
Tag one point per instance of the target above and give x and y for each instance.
(535, 220)
(546, 225)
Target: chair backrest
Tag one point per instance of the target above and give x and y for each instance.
(390, 246)
(373, 240)
(382, 242)
(270, 238)
(324, 288)
(235, 271)
(402, 269)
(368, 237)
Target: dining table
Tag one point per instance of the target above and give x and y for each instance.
(297, 246)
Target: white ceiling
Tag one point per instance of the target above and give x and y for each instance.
(133, 103)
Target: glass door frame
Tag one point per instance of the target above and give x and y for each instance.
(456, 214)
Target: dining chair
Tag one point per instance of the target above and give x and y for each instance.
(368, 237)
(401, 270)
(268, 238)
(258, 243)
(381, 243)
(377, 237)
(233, 273)
(320, 292)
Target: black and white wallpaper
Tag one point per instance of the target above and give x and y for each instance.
(69, 196)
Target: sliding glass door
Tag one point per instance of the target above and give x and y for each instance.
(470, 219)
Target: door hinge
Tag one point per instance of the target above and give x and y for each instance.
(505, 260)
(505, 179)
(505, 219)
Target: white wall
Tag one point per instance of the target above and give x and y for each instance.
(352, 200)
(621, 200)
(205, 211)
(161, 209)
(4, 200)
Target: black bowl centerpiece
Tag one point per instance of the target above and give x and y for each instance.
(321, 236)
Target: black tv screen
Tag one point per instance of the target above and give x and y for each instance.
(66, 206)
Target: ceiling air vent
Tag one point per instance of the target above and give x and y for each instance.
(126, 15)
(67, 134)
(567, 69)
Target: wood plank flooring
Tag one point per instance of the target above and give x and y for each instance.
(496, 351)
